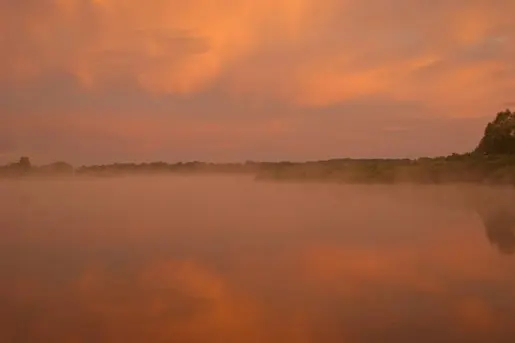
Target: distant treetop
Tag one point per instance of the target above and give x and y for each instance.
(499, 136)
(24, 164)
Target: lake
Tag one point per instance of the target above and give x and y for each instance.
(228, 259)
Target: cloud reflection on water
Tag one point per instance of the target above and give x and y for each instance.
(274, 263)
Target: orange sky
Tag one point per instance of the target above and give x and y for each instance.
(97, 81)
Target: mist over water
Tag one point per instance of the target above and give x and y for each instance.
(227, 259)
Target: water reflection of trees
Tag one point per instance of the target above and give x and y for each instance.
(500, 229)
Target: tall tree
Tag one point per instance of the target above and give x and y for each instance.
(24, 163)
(499, 136)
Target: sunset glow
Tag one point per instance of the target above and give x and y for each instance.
(97, 81)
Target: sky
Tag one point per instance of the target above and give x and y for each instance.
(101, 81)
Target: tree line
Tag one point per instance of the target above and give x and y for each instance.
(492, 161)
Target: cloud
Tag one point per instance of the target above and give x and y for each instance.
(391, 49)
(165, 46)
(247, 68)
(334, 50)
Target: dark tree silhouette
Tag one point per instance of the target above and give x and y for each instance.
(24, 163)
(499, 136)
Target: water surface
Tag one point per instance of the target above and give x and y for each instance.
(218, 259)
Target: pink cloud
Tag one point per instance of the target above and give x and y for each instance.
(453, 59)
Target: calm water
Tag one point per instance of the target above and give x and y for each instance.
(187, 260)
